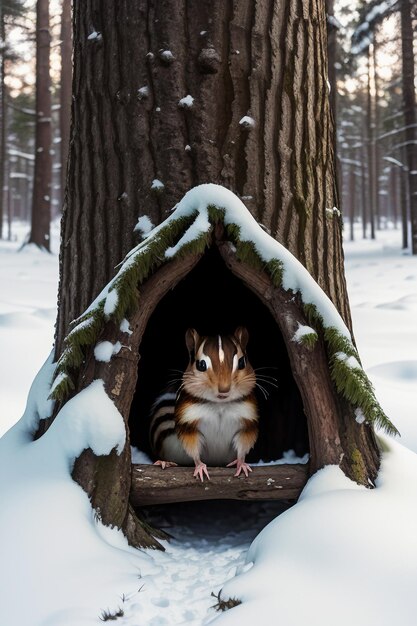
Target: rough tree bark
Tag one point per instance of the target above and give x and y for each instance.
(256, 120)
(149, 484)
(332, 56)
(66, 87)
(266, 60)
(41, 201)
(410, 117)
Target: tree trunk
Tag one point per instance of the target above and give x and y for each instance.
(352, 198)
(404, 203)
(364, 181)
(376, 129)
(2, 120)
(266, 61)
(41, 201)
(409, 109)
(9, 208)
(168, 94)
(371, 150)
(332, 56)
(66, 87)
(332, 46)
(393, 195)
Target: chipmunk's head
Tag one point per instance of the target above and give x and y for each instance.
(219, 370)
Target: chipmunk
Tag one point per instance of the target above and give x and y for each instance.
(213, 419)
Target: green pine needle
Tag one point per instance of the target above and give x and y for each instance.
(309, 340)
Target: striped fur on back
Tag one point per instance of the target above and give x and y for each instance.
(162, 423)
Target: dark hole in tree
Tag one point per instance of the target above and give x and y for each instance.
(212, 300)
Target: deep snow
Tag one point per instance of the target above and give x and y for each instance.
(28, 288)
(382, 284)
(342, 555)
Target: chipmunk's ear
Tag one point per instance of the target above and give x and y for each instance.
(242, 335)
(191, 340)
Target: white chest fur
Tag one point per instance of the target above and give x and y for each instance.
(218, 423)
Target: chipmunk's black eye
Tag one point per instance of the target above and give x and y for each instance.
(241, 364)
(201, 366)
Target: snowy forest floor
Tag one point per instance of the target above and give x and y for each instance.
(211, 541)
(382, 285)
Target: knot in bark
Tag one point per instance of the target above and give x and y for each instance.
(208, 61)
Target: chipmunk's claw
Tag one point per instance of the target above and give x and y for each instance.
(200, 469)
(165, 464)
(241, 466)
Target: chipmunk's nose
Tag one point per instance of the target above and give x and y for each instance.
(224, 389)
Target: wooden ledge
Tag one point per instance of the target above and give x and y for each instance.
(153, 485)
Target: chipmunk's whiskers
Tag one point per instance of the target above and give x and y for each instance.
(267, 382)
(263, 391)
(174, 380)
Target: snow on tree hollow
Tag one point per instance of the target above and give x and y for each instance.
(191, 221)
(295, 277)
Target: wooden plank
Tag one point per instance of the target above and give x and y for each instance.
(153, 485)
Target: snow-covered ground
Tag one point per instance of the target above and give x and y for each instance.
(343, 555)
(28, 292)
(382, 283)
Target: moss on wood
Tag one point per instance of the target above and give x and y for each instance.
(309, 340)
(351, 383)
(358, 467)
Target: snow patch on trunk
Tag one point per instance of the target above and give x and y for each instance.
(186, 102)
(125, 327)
(247, 122)
(104, 350)
(144, 225)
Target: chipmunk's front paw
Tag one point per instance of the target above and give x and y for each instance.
(165, 464)
(241, 466)
(200, 469)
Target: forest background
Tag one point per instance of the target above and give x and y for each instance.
(372, 92)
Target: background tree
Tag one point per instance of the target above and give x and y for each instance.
(2, 114)
(41, 203)
(21, 157)
(65, 88)
(8, 11)
(409, 110)
(370, 127)
(390, 128)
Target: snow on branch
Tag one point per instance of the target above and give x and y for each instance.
(363, 35)
(394, 162)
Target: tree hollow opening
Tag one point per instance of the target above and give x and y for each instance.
(214, 301)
